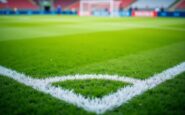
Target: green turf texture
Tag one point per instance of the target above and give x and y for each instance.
(92, 88)
(167, 98)
(44, 46)
(88, 52)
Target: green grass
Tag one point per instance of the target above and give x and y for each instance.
(16, 99)
(44, 46)
(58, 55)
(166, 99)
(92, 88)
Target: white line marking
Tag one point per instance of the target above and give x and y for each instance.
(97, 105)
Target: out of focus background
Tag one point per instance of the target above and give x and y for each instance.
(163, 8)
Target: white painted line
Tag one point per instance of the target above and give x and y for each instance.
(92, 76)
(97, 105)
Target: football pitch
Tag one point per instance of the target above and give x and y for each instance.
(90, 58)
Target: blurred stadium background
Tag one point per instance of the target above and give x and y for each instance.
(162, 8)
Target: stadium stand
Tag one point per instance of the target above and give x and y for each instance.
(19, 4)
(63, 3)
(126, 3)
(71, 7)
(181, 5)
(36, 2)
(75, 5)
(3, 4)
(152, 4)
(123, 4)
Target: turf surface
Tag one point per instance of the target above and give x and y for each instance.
(44, 46)
(92, 88)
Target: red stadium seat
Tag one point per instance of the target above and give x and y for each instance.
(63, 3)
(181, 5)
(126, 3)
(19, 4)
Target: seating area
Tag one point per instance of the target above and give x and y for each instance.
(63, 3)
(123, 4)
(3, 4)
(181, 5)
(152, 4)
(75, 4)
(19, 4)
(36, 2)
(126, 3)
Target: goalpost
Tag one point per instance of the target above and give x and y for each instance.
(99, 7)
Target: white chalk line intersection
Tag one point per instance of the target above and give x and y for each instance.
(97, 105)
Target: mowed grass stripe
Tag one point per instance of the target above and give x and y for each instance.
(140, 65)
(55, 56)
(33, 27)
